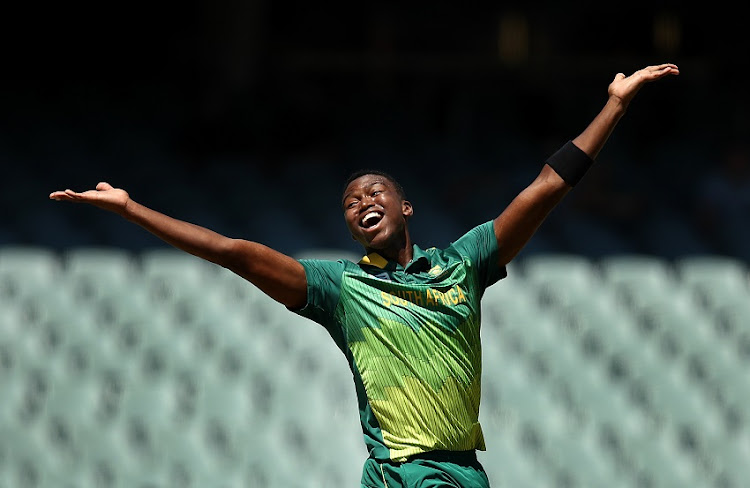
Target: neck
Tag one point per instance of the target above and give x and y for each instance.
(401, 251)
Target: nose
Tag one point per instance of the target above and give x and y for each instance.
(367, 202)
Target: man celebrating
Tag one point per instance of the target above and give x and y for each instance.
(407, 319)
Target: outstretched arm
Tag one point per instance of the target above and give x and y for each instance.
(278, 275)
(520, 220)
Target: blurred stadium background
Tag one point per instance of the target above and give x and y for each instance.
(617, 353)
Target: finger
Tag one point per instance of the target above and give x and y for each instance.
(652, 73)
(664, 69)
(67, 195)
(659, 67)
(74, 196)
(103, 186)
(667, 67)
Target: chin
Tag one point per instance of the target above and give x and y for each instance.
(380, 241)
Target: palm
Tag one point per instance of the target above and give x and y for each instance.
(104, 196)
(625, 87)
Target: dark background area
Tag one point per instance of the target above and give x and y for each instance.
(246, 117)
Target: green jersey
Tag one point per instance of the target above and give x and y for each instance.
(411, 336)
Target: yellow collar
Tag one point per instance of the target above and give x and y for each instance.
(374, 259)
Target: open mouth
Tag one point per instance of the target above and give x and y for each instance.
(371, 219)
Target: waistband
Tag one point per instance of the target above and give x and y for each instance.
(458, 457)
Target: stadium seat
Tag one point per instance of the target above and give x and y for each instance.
(599, 317)
(170, 273)
(505, 303)
(599, 402)
(638, 279)
(98, 272)
(505, 463)
(107, 461)
(544, 347)
(512, 314)
(22, 463)
(691, 327)
(731, 318)
(69, 420)
(577, 461)
(149, 415)
(14, 331)
(733, 390)
(111, 383)
(526, 400)
(234, 289)
(172, 262)
(657, 462)
(82, 354)
(44, 302)
(286, 398)
(716, 280)
(41, 325)
(13, 389)
(679, 405)
(266, 458)
(341, 469)
(223, 423)
(494, 365)
(509, 288)
(561, 278)
(728, 458)
(25, 269)
(285, 448)
(27, 395)
(579, 389)
(324, 437)
(186, 463)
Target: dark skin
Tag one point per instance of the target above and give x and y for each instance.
(283, 278)
(387, 231)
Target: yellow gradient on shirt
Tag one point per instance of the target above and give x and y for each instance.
(423, 390)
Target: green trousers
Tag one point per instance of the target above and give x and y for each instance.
(437, 469)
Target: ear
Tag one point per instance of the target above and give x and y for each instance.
(406, 209)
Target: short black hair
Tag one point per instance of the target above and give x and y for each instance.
(362, 172)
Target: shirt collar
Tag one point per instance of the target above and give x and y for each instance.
(420, 261)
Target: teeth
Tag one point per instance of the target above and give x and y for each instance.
(370, 215)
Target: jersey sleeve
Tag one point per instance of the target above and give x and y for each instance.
(480, 246)
(323, 290)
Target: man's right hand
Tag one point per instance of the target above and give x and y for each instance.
(104, 196)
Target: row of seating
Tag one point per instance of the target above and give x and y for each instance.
(168, 371)
(711, 281)
(117, 265)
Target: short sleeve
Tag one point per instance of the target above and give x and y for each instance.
(480, 246)
(323, 289)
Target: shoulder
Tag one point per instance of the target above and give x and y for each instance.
(326, 272)
(479, 237)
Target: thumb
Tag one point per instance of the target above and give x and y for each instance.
(102, 186)
(619, 76)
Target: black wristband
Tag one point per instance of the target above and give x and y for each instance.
(570, 163)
